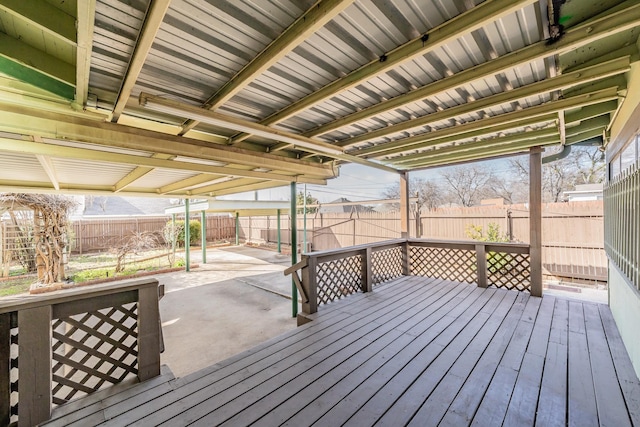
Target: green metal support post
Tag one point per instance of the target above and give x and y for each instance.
(203, 235)
(279, 239)
(187, 237)
(174, 237)
(294, 249)
(237, 229)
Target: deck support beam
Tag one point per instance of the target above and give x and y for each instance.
(535, 219)
(404, 205)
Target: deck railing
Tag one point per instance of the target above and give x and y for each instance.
(66, 344)
(330, 275)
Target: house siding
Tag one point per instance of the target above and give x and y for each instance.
(625, 306)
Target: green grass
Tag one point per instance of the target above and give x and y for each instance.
(92, 270)
(16, 286)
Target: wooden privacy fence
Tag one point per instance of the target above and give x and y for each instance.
(330, 275)
(572, 233)
(59, 346)
(99, 234)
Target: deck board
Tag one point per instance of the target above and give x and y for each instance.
(415, 351)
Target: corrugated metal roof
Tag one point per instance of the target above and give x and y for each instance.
(319, 85)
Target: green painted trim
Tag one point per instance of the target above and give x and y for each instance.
(35, 78)
(294, 249)
(237, 228)
(279, 232)
(187, 237)
(203, 236)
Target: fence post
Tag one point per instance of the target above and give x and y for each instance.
(148, 333)
(310, 286)
(367, 270)
(481, 265)
(5, 368)
(34, 349)
(406, 261)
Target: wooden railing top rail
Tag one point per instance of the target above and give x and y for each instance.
(454, 244)
(11, 304)
(348, 249)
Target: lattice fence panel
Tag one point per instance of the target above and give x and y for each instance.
(386, 264)
(93, 349)
(510, 271)
(339, 278)
(445, 263)
(13, 370)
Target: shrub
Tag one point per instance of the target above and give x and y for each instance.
(178, 231)
(496, 261)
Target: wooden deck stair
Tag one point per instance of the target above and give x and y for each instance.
(415, 351)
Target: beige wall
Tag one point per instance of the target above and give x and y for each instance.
(625, 306)
(623, 299)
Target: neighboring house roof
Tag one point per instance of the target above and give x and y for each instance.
(584, 192)
(343, 205)
(133, 206)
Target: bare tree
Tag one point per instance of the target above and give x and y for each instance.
(466, 185)
(428, 192)
(584, 165)
(590, 164)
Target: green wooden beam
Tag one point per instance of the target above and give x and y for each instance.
(499, 149)
(563, 81)
(43, 16)
(600, 123)
(426, 139)
(35, 67)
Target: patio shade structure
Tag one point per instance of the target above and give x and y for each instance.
(181, 99)
(237, 208)
(195, 100)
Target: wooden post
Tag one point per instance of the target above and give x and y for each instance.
(310, 286)
(404, 205)
(406, 258)
(367, 270)
(5, 368)
(481, 264)
(535, 219)
(34, 387)
(148, 333)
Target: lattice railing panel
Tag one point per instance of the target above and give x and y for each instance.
(386, 264)
(510, 271)
(444, 263)
(13, 370)
(93, 349)
(338, 278)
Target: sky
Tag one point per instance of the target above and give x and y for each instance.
(359, 183)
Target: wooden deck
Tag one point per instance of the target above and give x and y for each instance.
(415, 351)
